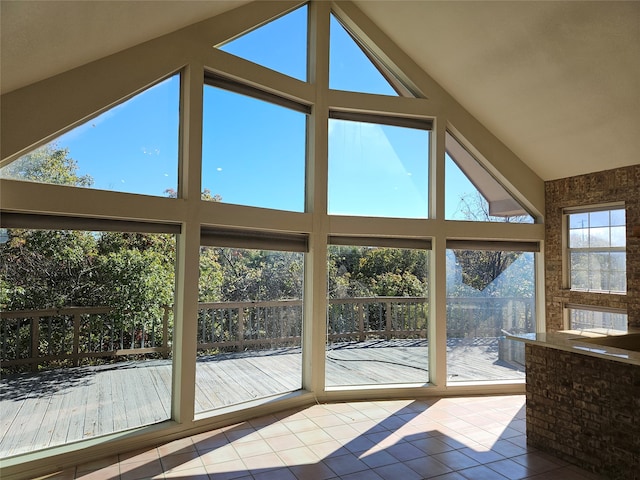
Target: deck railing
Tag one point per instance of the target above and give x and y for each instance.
(360, 318)
(71, 334)
(489, 316)
(75, 335)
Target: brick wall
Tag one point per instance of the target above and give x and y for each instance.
(619, 185)
(584, 410)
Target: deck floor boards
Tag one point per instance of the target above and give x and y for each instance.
(54, 407)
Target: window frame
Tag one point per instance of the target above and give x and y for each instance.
(568, 250)
(230, 85)
(569, 307)
(395, 120)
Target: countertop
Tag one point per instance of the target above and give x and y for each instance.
(569, 341)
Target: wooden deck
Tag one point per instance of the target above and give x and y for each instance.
(62, 406)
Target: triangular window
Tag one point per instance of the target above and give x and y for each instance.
(472, 193)
(353, 68)
(132, 148)
(280, 45)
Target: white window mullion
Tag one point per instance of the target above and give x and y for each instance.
(188, 249)
(315, 285)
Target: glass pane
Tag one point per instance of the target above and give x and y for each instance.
(280, 45)
(472, 194)
(579, 220)
(618, 236)
(599, 280)
(579, 238)
(618, 217)
(602, 322)
(580, 279)
(349, 67)
(618, 281)
(618, 261)
(253, 152)
(131, 148)
(488, 293)
(84, 313)
(599, 219)
(249, 326)
(599, 271)
(377, 316)
(599, 237)
(579, 261)
(378, 170)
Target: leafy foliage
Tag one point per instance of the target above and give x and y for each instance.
(47, 164)
(257, 275)
(365, 272)
(481, 267)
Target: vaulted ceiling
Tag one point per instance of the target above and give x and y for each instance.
(558, 82)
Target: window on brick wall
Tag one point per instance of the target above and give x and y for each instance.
(596, 244)
(601, 320)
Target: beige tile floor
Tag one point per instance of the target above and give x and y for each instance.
(444, 439)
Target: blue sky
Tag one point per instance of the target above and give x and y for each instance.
(253, 151)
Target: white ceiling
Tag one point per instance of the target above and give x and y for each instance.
(558, 82)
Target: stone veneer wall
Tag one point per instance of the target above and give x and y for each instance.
(584, 410)
(619, 185)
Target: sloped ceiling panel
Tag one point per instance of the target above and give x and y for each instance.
(557, 82)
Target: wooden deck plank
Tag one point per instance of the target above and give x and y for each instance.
(92, 401)
(122, 418)
(48, 425)
(104, 421)
(90, 426)
(150, 404)
(162, 385)
(77, 407)
(210, 378)
(10, 409)
(64, 417)
(26, 427)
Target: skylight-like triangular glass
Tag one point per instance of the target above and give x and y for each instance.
(472, 193)
(350, 67)
(280, 45)
(131, 148)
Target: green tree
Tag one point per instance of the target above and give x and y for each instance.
(210, 282)
(48, 268)
(135, 281)
(365, 271)
(57, 268)
(258, 275)
(47, 164)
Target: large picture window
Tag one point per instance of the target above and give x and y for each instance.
(490, 293)
(86, 322)
(378, 314)
(249, 333)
